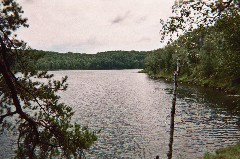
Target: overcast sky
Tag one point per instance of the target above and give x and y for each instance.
(91, 26)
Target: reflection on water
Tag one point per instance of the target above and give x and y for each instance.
(206, 119)
(133, 113)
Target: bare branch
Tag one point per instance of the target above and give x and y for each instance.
(6, 115)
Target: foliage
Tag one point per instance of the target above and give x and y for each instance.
(210, 52)
(103, 60)
(29, 102)
(196, 14)
(231, 152)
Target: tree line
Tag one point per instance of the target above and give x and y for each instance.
(31, 110)
(209, 55)
(81, 61)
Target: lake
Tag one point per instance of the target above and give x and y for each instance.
(133, 113)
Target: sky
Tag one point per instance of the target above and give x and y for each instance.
(91, 26)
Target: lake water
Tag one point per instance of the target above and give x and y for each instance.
(133, 113)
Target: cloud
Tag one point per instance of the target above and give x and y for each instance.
(144, 39)
(120, 18)
(28, 1)
(141, 19)
(93, 26)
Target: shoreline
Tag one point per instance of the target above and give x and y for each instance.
(203, 83)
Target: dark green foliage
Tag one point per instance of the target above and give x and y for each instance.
(209, 54)
(29, 105)
(231, 152)
(103, 60)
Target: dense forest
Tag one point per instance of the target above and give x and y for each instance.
(209, 56)
(102, 60)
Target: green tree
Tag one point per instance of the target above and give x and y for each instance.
(205, 36)
(29, 107)
(196, 14)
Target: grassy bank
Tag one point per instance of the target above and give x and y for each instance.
(231, 152)
(218, 84)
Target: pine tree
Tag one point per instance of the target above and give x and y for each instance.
(29, 104)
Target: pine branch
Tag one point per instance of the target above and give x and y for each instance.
(6, 115)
